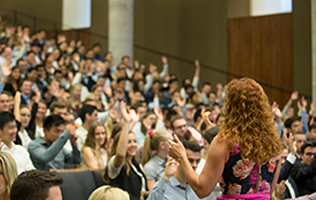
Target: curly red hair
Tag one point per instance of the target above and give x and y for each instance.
(249, 121)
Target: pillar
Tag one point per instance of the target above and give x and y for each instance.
(121, 28)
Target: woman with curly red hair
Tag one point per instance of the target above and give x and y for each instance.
(243, 157)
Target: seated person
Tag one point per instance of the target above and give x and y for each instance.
(48, 152)
(155, 154)
(173, 183)
(305, 182)
(36, 184)
(8, 131)
(95, 148)
(88, 114)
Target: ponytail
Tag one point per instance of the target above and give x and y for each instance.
(152, 143)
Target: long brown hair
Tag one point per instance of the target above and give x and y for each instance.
(249, 121)
(91, 142)
(10, 79)
(105, 175)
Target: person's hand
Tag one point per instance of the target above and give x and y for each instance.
(299, 105)
(158, 113)
(107, 90)
(152, 68)
(292, 144)
(206, 119)
(177, 150)
(136, 64)
(72, 129)
(219, 87)
(294, 95)
(280, 190)
(164, 60)
(113, 113)
(195, 134)
(6, 69)
(125, 113)
(304, 103)
(197, 63)
(134, 115)
(180, 102)
(171, 168)
(275, 110)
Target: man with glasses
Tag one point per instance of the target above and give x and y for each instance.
(48, 152)
(304, 170)
(179, 126)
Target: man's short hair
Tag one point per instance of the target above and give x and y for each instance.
(5, 117)
(39, 66)
(192, 146)
(34, 185)
(57, 104)
(51, 120)
(173, 80)
(57, 72)
(31, 69)
(175, 118)
(29, 52)
(210, 134)
(307, 144)
(86, 108)
(23, 80)
(17, 62)
(206, 83)
(7, 93)
(298, 133)
(289, 121)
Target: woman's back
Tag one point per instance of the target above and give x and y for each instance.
(240, 175)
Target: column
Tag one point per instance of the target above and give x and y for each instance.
(313, 30)
(121, 28)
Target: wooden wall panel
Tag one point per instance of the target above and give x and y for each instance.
(77, 34)
(262, 48)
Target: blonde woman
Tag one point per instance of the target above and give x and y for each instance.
(107, 192)
(95, 149)
(8, 174)
(155, 154)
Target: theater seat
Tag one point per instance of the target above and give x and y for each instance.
(79, 183)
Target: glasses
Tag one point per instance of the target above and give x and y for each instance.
(180, 127)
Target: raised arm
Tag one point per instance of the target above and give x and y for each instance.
(17, 102)
(217, 156)
(286, 108)
(122, 143)
(196, 78)
(165, 69)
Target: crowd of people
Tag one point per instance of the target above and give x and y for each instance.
(64, 105)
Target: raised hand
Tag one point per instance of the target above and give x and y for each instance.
(171, 168)
(125, 113)
(304, 102)
(134, 115)
(292, 144)
(180, 101)
(176, 149)
(158, 113)
(294, 95)
(164, 60)
(197, 63)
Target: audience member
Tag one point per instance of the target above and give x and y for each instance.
(8, 131)
(95, 149)
(48, 152)
(37, 185)
(9, 172)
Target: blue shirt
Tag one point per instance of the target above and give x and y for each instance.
(54, 156)
(171, 189)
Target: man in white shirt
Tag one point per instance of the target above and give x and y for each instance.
(88, 114)
(8, 130)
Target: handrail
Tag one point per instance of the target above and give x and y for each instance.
(144, 49)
